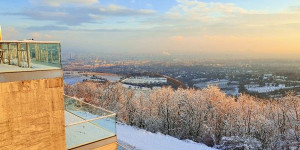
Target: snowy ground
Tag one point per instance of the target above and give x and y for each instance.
(144, 140)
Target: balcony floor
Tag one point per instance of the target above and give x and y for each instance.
(14, 68)
(83, 133)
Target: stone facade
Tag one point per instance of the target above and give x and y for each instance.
(32, 115)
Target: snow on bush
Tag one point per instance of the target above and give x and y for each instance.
(204, 115)
(240, 143)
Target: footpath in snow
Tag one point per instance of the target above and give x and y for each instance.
(144, 140)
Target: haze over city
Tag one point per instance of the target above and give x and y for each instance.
(150, 74)
(233, 28)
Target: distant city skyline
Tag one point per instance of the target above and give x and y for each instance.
(221, 28)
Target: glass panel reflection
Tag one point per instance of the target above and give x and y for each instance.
(30, 56)
(86, 123)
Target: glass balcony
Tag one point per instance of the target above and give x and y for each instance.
(29, 55)
(86, 123)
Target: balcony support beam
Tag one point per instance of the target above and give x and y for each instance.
(97, 144)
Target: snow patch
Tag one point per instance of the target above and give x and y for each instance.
(145, 140)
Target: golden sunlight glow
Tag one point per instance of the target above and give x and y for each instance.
(0, 34)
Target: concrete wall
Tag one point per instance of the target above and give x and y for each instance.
(32, 115)
(105, 144)
(112, 146)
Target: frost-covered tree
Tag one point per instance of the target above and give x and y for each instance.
(206, 115)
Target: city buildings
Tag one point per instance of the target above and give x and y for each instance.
(145, 80)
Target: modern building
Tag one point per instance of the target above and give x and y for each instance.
(34, 112)
(145, 80)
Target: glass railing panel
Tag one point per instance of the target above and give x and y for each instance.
(27, 56)
(4, 48)
(108, 124)
(84, 110)
(86, 123)
(45, 55)
(22, 55)
(12, 54)
(86, 131)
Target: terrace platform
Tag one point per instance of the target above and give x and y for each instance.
(13, 68)
(83, 133)
(11, 73)
(88, 126)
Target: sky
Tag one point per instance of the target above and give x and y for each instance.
(216, 28)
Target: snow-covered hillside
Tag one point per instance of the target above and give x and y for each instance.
(144, 140)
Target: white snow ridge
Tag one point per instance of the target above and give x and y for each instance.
(144, 140)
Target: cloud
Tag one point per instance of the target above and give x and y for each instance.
(177, 38)
(48, 36)
(188, 26)
(166, 53)
(48, 27)
(192, 17)
(10, 33)
(57, 3)
(197, 10)
(116, 10)
(196, 16)
(35, 35)
(294, 8)
(149, 5)
(69, 16)
(224, 28)
(38, 36)
(80, 14)
(112, 30)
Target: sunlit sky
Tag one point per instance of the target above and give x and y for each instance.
(241, 28)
